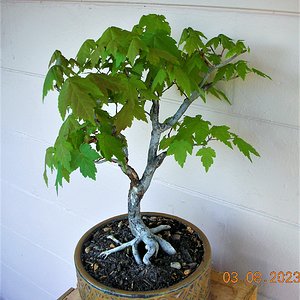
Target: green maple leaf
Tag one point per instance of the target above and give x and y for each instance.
(166, 43)
(63, 153)
(244, 147)
(222, 134)
(61, 174)
(260, 73)
(107, 83)
(58, 59)
(77, 93)
(166, 142)
(242, 69)
(125, 116)
(194, 127)
(156, 55)
(49, 162)
(54, 77)
(131, 108)
(180, 149)
(111, 146)
(215, 41)
(49, 157)
(196, 62)
(152, 23)
(218, 94)
(85, 51)
(229, 71)
(207, 156)
(134, 49)
(59, 177)
(139, 112)
(182, 80)
(68, 126)
(85, 160)
(159, 79)
(192, 40)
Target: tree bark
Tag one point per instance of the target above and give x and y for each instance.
(141, 232)
(138, 188)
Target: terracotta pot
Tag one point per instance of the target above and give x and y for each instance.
(195, 287)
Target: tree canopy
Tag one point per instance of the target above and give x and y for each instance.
(107, 85)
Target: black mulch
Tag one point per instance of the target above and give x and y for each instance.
(119, 270)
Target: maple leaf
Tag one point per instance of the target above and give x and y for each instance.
(207, 156)
(85, 160)
(63, 151)
(77, 93)
(180, 149)
(222, 134)
(244, 147)
(54, 77)
(111, 146)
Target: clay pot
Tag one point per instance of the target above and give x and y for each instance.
(195, 287)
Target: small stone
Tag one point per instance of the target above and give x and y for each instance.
(106, 229)
(112, 246)
(176, 237)
(87, 249)
(192, 265)
(167, 233)
(189, 229)
(175, 265)
(153, 219)
(186, 255)
(187, 272)
(95, 267)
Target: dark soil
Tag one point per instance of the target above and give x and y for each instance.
(119, 270)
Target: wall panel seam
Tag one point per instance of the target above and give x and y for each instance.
(237, 115)
(181, 189)
(166, 5)
(26, 279)
(36, 245)
(226, 203)
(38, 198)
(22, 72)
(173, 101)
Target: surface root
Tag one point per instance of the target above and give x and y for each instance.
(151, 241)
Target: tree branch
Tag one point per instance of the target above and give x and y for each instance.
(155, 133)
(154, 160)
(189, 100)
(127, 169)
(150, 170)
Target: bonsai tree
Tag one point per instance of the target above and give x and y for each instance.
(122, 77)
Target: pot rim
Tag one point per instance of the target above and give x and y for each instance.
(204, 265)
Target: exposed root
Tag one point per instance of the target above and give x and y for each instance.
(151, 241)
(114, 239)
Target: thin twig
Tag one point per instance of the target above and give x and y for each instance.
(167, 88)
(212, 49)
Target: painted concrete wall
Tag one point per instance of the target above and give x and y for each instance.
(250, 212)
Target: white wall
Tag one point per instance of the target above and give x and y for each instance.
(250, 212)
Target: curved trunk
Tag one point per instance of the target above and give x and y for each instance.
(134, 211)
(138, 227)
(141, 231)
